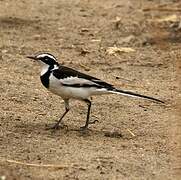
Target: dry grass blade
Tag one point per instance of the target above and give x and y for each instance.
(86, 68)
(171, 18)
(36, 165)
(95, 40)
(114, 50)
(131, 132)
(162, 9)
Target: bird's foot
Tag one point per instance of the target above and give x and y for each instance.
(93, 122)
(84, 128)
(57, 126)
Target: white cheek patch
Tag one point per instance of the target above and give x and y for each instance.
(44, 69)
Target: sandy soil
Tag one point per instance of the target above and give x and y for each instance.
(134, 138)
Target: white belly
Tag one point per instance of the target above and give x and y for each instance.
(56, 87)
(67, 92)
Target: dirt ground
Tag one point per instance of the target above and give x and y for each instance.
(133, 138)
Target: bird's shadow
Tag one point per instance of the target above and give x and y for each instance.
(40, 129)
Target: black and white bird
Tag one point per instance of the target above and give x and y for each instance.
(71, 84)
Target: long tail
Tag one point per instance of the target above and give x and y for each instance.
(133, 94)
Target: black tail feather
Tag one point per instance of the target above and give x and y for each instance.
(130, 93)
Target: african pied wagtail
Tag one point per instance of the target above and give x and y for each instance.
(71, 84)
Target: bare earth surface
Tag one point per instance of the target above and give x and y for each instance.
(133, 138)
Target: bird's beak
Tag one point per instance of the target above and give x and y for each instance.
(32, 57)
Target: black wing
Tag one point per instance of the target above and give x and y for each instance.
(65, 72)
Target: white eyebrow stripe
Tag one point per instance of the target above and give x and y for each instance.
(44, 55)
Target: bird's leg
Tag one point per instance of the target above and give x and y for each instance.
(88, 114)
(67, 108)
(56, 126)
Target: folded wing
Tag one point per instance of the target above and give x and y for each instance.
(73, 78)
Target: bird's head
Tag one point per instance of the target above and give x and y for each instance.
(45, 59)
